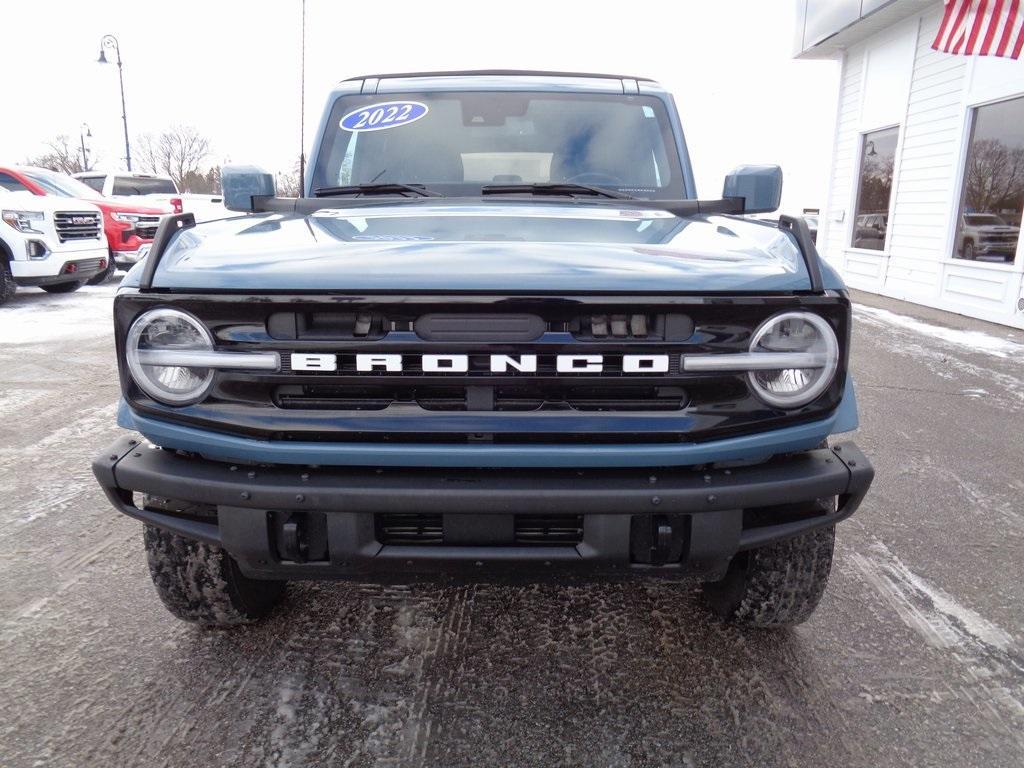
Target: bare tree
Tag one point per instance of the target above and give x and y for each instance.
(287, 183)
(177, 152)
(202, 183)
(995, 176)
(62, 157)
(875, 183)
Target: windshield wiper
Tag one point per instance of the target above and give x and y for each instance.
(391, 188)
(559, 189)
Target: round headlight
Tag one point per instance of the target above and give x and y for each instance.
(168, 330)
(807, 345)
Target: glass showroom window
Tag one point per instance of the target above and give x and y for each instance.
(993, 193)
(877, 156)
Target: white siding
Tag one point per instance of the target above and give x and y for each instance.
(933, 115)
(924, 189)
(844, 159)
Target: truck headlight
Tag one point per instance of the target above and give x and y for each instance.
(127, 218)
(807, 343)
(22, 220)
(162, 335)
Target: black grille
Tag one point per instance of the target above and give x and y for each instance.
(548, 530)
(146, 226)
(610, 404)
(75, 225)
(410, 529)
(528, 530)
(514, 398)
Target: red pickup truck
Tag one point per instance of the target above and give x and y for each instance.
(128, 227)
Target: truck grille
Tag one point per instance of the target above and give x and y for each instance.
(323, 393)
(75, 225)
(410, 529)
(522, 530)
(522, 397)
(146, 226)
(548, 530)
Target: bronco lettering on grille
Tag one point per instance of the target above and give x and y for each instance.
(434, 363)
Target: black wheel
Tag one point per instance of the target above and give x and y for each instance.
(776, 585)
(968, 250)
(69, 287)
(202, 583)
(7, 284)
(101, 277)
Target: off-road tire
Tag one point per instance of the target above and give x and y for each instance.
(777, 585)
(202, 583)
(101, 277)
(69, 287)
(7, 285)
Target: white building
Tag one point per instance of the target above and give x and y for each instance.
(926, 185)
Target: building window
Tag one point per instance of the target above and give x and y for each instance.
(877, 156)
(993, 193)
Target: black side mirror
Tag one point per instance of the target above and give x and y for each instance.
(760, 186)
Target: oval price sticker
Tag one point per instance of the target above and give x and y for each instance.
(377, 117)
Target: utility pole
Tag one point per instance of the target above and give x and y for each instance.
(302, 109)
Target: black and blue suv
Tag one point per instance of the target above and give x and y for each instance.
(498, 337)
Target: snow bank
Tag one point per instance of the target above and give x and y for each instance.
(977, 341)
(33, 316)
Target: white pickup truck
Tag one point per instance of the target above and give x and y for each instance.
(54, 243)
(158, 190)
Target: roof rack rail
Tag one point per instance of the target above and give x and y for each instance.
(168, 227)
(798, 226)
(497, 73)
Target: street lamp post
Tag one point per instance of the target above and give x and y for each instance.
(109, 42)
(83, 132)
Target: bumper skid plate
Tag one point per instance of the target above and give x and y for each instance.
(298, 522)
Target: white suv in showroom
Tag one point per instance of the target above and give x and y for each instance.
(54, 243)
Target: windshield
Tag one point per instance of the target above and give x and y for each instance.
(62, 185)
(983, 220)
(93, 182)
(142, 185)
(458, 142)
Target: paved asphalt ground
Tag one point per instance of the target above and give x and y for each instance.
(915, 657)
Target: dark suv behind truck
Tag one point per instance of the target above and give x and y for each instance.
(499, 337)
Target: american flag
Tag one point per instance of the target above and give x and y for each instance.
(981, 28)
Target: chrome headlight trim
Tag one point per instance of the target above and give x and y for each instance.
(137, 366)
(826, 360)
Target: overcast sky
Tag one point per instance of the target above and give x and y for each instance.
(231, 69)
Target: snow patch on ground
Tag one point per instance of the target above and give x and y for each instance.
(976, 341)
(13, 402)
(928, 610)
(991, 661)
(33, 318)
(92, 422)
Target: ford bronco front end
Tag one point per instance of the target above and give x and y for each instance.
(499, 337)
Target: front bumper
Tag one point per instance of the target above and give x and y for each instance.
(127, 259)
(76, 269)
(997, 249)
(666, 522)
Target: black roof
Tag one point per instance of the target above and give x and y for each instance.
(498, 73)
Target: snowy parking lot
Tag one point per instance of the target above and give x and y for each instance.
(915, 657)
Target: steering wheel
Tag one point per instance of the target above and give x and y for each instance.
(595, 178)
